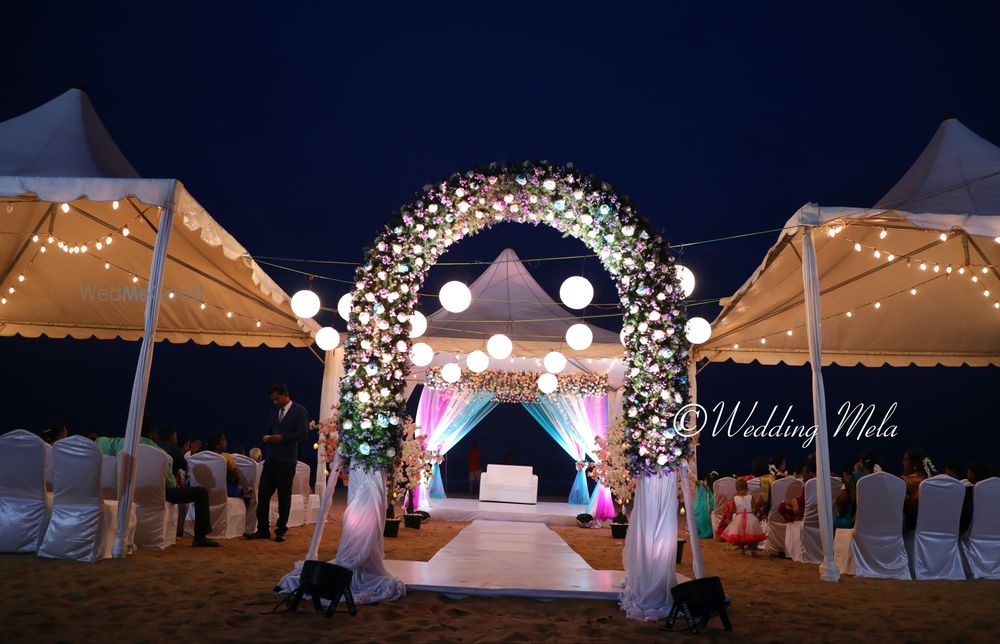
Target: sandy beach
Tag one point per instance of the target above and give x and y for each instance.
(184, 594)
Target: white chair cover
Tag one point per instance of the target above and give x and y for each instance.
(251, 472)
(156, 520)
(82, 526)
(802, 538)
(784, 489)
(933, 547)
(24, 510)
(228, 516)
(874, 547)
(722, 490)
(753, 487)
(300, 496)
(981, 543)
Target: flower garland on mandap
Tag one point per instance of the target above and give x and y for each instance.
(519, 386)
(638, 259)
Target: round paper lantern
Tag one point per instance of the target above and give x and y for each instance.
(455, 297)
(344, 306)
(327, 338)
(499, 346)
(477, 362)
(554, 362)
(418, 324)
(686, 278)
(621, 336)
(421, 354)
(547, 383)
(305, 304)
(698, 330)
(579, 336)
(576, 292)
(451, 372)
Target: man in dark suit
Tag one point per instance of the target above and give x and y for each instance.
(286, 426)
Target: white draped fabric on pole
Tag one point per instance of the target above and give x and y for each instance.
(650, 550)
(329, 400)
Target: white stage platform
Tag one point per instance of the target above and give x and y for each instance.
(474, 509)
(508, 558)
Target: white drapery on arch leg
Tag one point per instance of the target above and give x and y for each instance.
(650, 550)
(329, 398)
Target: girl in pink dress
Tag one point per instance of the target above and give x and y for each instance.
(742, 527)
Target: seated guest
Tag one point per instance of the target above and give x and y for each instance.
(168, 442)
(237, 486)
(775, 471)
(256, 454)
(54, 430)
(952, 469)
(843, 504)
(197, 495)
(916, 469)
(868, 463)
(795, 510)
(978, 471)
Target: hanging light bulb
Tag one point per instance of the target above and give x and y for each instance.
(418, 324)
(305, 304)
(451, 373)
(547, 383)
(20, 278)
(52, 239)
(883, 234)
(499, 346)
(108, 240)
(477, 362)
(114, 205)
(259, 323)
(576, 292)
(65, 207)
(455, 297)
(923, 266)
(229, 314)
(327, 338)
(890, 257)
(913, 291)
(34, 238)
(344, 307)
(857, 247)
(789, 332)
(125, 231)
(421, 354)
(763, 340)
(698, 330)
(686, 279)
(878, 305)
(943, 237)
(107, 265)
(850, 314)
(554, 362)
(985, 270)
(877, 254)
(202, 307)
(579, 336)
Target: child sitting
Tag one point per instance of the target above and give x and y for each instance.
(739, 525)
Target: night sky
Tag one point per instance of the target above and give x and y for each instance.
(302, 130)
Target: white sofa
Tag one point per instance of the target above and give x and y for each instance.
(508, 484)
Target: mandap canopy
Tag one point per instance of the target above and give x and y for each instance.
(912, 281)
(88, 249)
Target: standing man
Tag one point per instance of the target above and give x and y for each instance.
(286, 426)
(475, 469)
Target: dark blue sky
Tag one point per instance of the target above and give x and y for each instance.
(301, 130)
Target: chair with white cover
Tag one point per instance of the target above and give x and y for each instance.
(508, 484)
(753, 488)
(981, 543)
(300, 496)
(228, 515)
(784, 489)
(251, 472)
(302, 473)
(933, 546)
(156, 519)
(82, 526)
(722, 490)
(874, 546)
(24, 509)
(802, 538)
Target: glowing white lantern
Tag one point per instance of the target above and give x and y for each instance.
(455, 297)
(499, 346)
(305, 304)
(477, 362)
(344, 306)
(576, 292)
(698, 330)
(548, 383)
(451, 372)
(327, 338)
(418, 324)
(421, 354)
(579, 336)
(686, 278)
(554, 362)
(621, 336)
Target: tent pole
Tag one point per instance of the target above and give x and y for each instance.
(329, 398)
(137, 405)
(326, 500)
(810, 282)
(689, 468)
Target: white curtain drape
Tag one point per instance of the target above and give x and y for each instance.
(650, 550)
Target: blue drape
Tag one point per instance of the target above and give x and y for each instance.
(465, 410)
(546, 415)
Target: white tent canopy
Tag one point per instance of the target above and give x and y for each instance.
(953, 189)
(62, 176)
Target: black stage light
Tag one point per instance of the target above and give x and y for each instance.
(322, 580)
(699, 600)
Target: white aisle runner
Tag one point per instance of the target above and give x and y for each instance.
(508, 558)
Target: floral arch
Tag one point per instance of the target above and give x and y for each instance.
(376, 350)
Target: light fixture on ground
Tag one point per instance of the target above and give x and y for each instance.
(579, 336)
(547, 383)
(327, 338)
(305, 304)
(418, 324)
(686, 278)
(455, 297)
(344, 306)
(451, 373)
(499, 346)
(576, 292)
(477, 362)
(421, 354)
(554, 362)
(698, 330)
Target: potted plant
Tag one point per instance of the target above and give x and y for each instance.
(612, 470)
